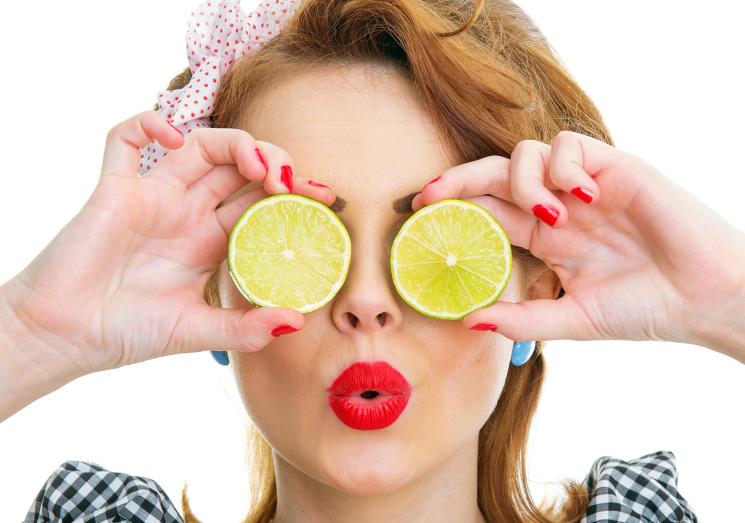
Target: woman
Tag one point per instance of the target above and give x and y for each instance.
(361, 99)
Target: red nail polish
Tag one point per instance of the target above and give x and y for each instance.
(177, 130)
(583, 194)
(433, 180)
(484, 327)
(316, 184)
(548, 214)
(283, 329)
(286, 176)
(261, 159)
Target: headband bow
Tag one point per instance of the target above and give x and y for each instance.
(218, 34)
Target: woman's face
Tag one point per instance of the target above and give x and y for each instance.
(373, 143)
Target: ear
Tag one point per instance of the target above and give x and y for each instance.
(542, 282)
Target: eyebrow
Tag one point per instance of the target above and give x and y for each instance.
(399, 205)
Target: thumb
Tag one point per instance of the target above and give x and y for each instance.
(204, 327)
(544, 319)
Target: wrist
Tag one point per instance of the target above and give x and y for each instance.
(723, 330)
(30, 367)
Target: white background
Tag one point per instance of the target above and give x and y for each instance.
(668, 79)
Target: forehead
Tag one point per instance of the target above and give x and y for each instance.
(345, 124)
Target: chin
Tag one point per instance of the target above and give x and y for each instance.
(363, 467)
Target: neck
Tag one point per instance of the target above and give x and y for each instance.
(444, 494)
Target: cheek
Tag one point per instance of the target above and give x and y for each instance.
(469, 368)
(278, 381)
(279, 384)
(467, 380)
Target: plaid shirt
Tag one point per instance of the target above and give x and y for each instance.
(640, 490)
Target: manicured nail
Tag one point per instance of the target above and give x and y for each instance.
(548, 214)
(433, 180)
(261, 159)
(283, 329)
(484, 327)
(286, 176)
(177, 130)
(583, 194)
(316, 184)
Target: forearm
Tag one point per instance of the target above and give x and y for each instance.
(29, 367)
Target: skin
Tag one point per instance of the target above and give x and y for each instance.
(372, 141)
(131, 267)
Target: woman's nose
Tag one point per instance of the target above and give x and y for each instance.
(368, 301)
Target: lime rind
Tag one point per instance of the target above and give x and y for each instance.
(328, 214)
(434, 257)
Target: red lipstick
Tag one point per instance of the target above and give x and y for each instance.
(369, 395)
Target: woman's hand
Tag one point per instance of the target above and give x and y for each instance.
(645, 260)
(124, 280)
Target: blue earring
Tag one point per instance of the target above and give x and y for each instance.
(521, 352)
(220, 356)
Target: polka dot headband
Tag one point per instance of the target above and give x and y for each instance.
(219, 33)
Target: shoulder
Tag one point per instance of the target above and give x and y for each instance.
(86, 492)
(642, 489)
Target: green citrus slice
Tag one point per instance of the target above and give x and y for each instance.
(451, 258)
(289, 251)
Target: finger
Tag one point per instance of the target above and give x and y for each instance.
(122, 151)
(225, 180)
(567, 160)
(280, 178)
(596, 155)
(516, 223)
(488, 175)
(313, 189)
(203, 327)
(543, 319)
(529, 185)
(206, 148)
(229, 213)
(217, 185)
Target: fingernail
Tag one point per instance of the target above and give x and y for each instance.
(484, 327)
(177, 130)
(548, 214)
(283, 329)
(433, 180)
(261, 159)
(316, 184)
(286, 176)
(583, 194)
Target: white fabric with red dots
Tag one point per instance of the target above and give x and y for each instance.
(218, 34)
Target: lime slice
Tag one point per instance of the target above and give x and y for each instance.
(289, 251)
(451, 258)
